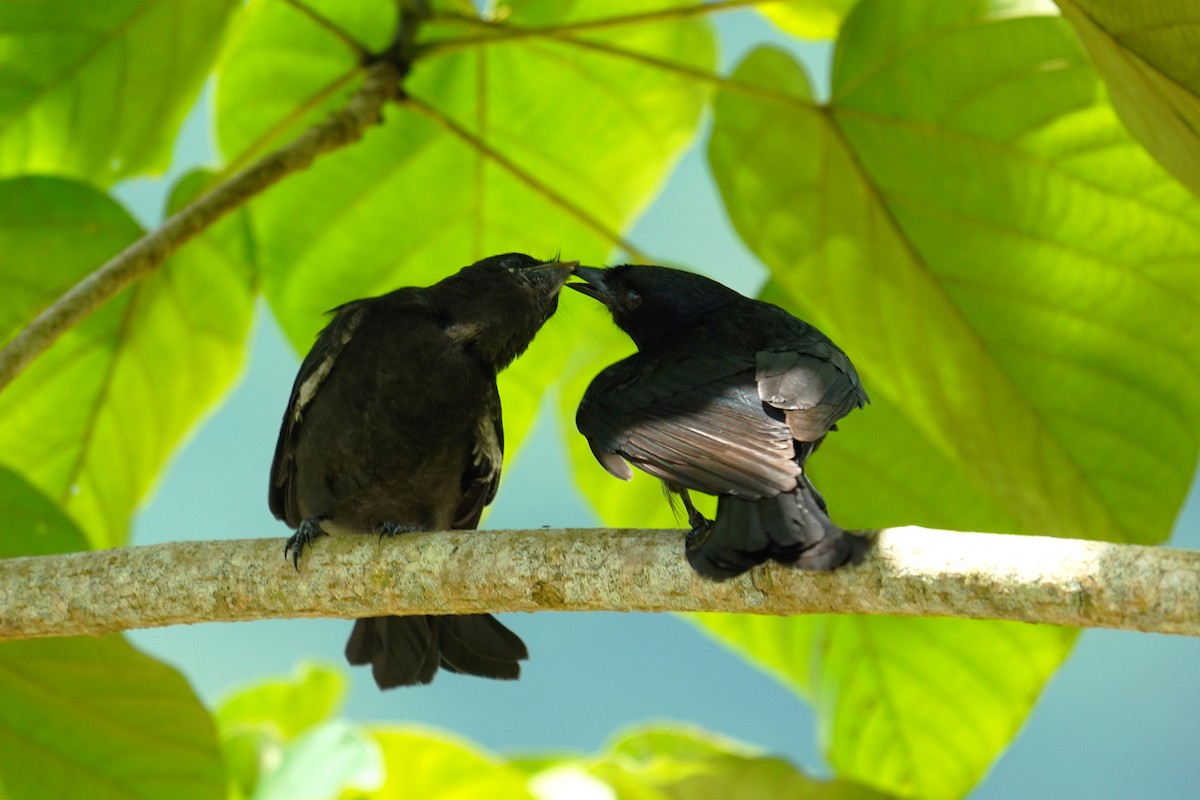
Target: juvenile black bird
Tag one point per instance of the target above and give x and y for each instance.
(394, 425)
(727, 396)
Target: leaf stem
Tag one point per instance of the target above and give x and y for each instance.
(498, 31)
(688, 71)
(508, 165)
(338, 32)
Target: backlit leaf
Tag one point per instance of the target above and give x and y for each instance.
(98, 90)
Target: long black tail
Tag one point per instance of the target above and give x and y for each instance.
(403, 651)
(792, 528)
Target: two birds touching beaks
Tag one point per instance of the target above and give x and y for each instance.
(394, 425)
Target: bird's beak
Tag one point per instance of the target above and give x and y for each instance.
(555, 273)
(594, 287)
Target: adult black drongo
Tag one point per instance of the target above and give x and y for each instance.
(394, 425)
(727, 396)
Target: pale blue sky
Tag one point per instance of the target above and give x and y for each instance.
(1120, 720)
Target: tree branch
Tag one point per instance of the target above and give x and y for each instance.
(343, 127)
(909, 571)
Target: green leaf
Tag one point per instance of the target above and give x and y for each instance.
(98, 90)
(587, 137)
(34, 525)
(1015, 340)
(919, 707)
(52, 232)
(1146, 53)
(678, 763)
(92, 421)
(1012, 275)
(434, 766)
(922, 708)
(809, 19)
(286, 707)
(292, 69)
(97, 713)
(781, 646)
(322, 763)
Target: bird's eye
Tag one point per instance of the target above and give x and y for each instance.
(633, 299)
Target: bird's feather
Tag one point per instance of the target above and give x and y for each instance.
(314, 370)
(699, 423)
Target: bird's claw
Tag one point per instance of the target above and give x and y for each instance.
(391, 529)
(698, 535)
(309, 529)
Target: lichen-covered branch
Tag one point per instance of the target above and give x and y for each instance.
(341, 128)
(909, 571)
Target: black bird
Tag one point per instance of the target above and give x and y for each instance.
(727, 396)
(394, 425)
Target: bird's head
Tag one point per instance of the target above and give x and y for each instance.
(650, 303)
(502, 301)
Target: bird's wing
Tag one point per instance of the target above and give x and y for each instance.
(313, 371)
(812, 382)
(695, 422)
(482, 475)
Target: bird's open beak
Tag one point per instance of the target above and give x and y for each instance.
(595, 287)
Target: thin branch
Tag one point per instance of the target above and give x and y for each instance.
(909, 571)
(499, 31)
(343, 127)
(523, 176)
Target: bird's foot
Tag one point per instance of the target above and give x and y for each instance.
(391, 529)
(698, 535)
(310, 528)
(700, 524)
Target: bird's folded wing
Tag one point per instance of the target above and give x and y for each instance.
(481, 478)
(313, 371)
(697, 423)
(814, 385)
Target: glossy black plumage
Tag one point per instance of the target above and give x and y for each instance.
(394, 425)
(728, 396)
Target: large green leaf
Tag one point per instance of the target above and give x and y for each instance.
(34, 525)
(1017, 318)
(287, 707)
(1012, 275)
(309, 72)
(93, 420)
(678, 763)
(260, 724)
(98, 90)
(918, 707)
(811, 19)
(413, 201)
(653, 763)
(429, 765)
(1146, 52)
(96, 718)
(646, 763)
(51, 233)
(323, 762)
